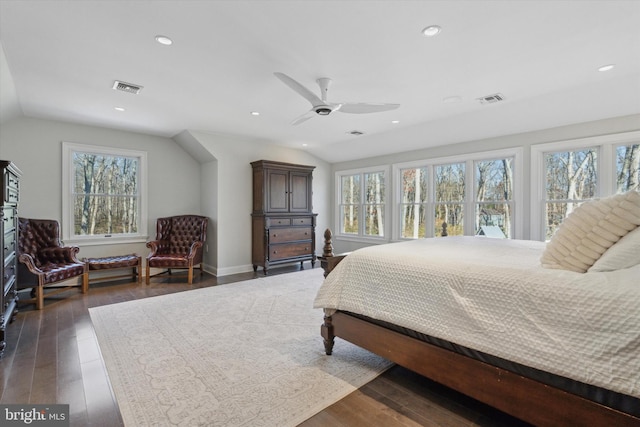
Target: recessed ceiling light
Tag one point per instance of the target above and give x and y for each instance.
(431, 30)
(305, 145)
(395, 122)
(451, 99)
(164, 40)
(255, 113)
(606, 67)
(118, 108)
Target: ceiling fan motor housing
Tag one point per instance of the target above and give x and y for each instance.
(323, 110)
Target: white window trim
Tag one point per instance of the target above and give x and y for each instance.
(68, 148)
(469, 207)
(338, 235)
(605, 167)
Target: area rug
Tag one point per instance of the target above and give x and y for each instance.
(241, 354)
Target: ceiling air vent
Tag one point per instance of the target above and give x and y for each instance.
(126, 87)
(491, 99)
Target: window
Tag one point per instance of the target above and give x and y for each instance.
(103, 194)
(567, 173)
(627, 168)
(571, 178)
(494, 197)
(413, 206)
(362, 203)
(449, 199)
(437, 197)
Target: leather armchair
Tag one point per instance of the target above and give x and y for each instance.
(179, 244)
(43, 261)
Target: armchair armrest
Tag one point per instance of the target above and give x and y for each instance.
(28, 260)
(59, 255)
(158, 247)
(194, 249)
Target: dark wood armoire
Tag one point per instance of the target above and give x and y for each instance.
(283, 222)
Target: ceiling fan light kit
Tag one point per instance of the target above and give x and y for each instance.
(321, 107)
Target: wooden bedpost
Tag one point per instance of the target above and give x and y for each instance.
(328, 246)
(328, 260)
(326, 330)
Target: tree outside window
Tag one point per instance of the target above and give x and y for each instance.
(362, 204)
(494, 195)
(449, 199)
(105, 196)
(350, 206)
(413, 204)
(628, 168)
(374, 204)
(103, 193)
(571, 178)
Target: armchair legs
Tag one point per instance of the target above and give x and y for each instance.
(190, 269)
(39, 290)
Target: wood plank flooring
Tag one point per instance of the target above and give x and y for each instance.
(52, 356)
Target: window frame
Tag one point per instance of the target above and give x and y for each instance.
(67, 226)
(606, 170)
(361, 237)
(469, 199)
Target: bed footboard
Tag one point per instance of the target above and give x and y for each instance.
(521, 397)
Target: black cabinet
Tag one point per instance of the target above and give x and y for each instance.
(9, 232)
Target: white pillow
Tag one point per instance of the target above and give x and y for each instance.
(590, 229)
(624, 254)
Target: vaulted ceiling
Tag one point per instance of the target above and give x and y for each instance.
(62, 58)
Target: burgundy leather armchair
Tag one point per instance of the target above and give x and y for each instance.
(179, 244)
(43, 261)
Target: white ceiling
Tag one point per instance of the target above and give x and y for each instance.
(63, 57)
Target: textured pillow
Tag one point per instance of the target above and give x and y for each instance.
(591, 229)
(624, 254)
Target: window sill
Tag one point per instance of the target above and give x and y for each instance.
(98, 241)
(360, 239)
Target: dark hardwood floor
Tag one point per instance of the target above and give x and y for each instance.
(52, 356)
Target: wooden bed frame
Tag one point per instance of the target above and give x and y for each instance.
(521, 397)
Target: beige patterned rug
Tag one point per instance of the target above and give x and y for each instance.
(242, 354)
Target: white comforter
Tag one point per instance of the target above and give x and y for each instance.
(492, 295)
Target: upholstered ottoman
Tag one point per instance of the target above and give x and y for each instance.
(133, 261)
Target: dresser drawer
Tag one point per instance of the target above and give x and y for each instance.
(291, 250)
(282, 235)
(12, 188)
(8, 245)
(302, 221)
(279, 222)
(9, 276)
(8, 215)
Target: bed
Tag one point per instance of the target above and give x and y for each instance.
(548, 343)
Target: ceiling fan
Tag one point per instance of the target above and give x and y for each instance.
(320, 106)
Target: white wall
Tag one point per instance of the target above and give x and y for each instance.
(525, 140)
(35, 146)
(196, 172)
(231, 212)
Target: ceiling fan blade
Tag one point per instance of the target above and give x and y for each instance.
(303, 118)
(301, 90)
(364, 108)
